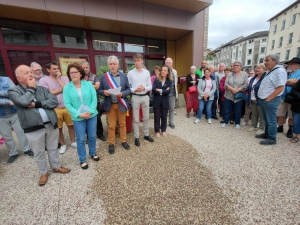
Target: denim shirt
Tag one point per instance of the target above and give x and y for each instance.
(5, 108)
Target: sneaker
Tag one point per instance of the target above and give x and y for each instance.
(268, 142)
(62, 149)
(251, 129)
(237, 126)
(290, 134)
(197, 121)
(260, 131)
(243, 123)
(223, 125)
(12, 158)
(172, 125)
(29, 153)
(74, 144)
(209, 121)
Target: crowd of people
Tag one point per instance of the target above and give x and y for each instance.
(39, 105)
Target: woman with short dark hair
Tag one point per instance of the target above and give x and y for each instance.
(81, 101)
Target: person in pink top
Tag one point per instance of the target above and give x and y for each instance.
(55, 83)
(156, 71)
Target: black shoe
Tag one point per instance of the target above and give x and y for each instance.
(137, 142)
(12, 158)
(262, 136)
(95, 158)
(231, 122)
(125, 145)
(148, 138)
(215, 117)
(290, 134)
(102, 138)
(29, 153)
(111, 149)
(58, 145)
(172, 125)
(268, 142)
(280, 129)
(222, 121)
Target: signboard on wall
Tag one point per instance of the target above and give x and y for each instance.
(64, 62)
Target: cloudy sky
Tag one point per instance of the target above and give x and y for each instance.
(229, 19)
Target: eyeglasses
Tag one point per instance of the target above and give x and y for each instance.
(37, 70)
(236, 65)
(71, 73)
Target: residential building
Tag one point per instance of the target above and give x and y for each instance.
(284, 33)
(91, 30)
(251, 50)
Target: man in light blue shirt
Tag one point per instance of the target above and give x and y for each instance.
(269, 93)
(293, 76)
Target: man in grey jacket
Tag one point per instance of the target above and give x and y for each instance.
(35, 107)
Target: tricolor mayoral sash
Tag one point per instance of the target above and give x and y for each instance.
(113, 84)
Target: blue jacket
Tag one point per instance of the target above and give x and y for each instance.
(256, 87)
(163, 98)
(5, 108)
(72, 100)
(125, 90)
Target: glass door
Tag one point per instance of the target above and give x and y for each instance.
(151, 63)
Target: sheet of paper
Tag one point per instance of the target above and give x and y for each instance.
(115, 91)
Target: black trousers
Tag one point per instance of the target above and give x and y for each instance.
(214, 107)
(160, 119)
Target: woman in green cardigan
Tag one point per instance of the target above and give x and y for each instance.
(81, 101)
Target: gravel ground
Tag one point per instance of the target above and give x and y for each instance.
(199, 174)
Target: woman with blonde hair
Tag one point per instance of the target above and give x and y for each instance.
(161, 90)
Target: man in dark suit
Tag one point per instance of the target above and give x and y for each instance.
(115, 105)
(161, 89)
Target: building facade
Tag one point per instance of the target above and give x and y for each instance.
(91, 30)
(284, 35)
(251, 50)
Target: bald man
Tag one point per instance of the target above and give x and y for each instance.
(35, 108)
(173, 94)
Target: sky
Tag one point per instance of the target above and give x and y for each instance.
(230, 19)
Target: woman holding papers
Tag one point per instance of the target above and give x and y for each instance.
(115, 87)
(81, 102)
(161, 90)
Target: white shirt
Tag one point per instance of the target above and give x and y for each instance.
(136, 79)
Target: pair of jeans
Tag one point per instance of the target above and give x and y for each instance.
(89, 125)
(237, 110)
(207, 104)
(269, 110)
(296, 121)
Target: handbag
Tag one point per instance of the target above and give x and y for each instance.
(289, 98)
(239, 95)
(192, 89)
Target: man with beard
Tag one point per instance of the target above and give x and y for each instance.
(37, 71)
(200, 70)
(55, 83)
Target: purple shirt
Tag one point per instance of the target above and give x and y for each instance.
(53, 85)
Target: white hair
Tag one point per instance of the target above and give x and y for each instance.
(34, 64)
(274, 57)
(113, 58)
(85, 62)
(193, 67)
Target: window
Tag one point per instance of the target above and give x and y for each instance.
(275, 29)
(290, 38)
(2, 67)
(261, 60)
(156, 47)
(263, 49)
(294, 19)
(134, 44)
(249, 62)
(68, 37)
(106, 42)
(101, 60)
(17, 58)
(298, 52)
(280, 42)
(283, 25)
(264, 40)
(249, 51)
(23, 33)
(273, 44)
(287, 54)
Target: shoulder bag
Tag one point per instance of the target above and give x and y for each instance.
(239, 95)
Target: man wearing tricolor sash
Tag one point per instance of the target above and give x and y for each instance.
(115, 105)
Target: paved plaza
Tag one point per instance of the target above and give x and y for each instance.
(199, 174)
